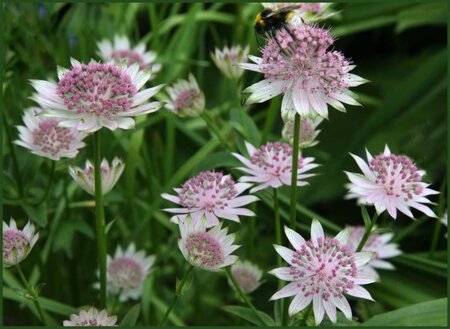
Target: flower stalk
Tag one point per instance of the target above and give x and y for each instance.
(243, 296)
(33, 294)
(367, 232)
(179, 289)
(279, 304)
(100, 219)
(294, 171)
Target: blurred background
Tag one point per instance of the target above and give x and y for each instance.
(401, 47)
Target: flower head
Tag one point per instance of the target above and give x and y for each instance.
(271, 165)
(95, 95)
(126, 272)
(186, 98)
(376, 243)
(304, 12)
(299, 65)
(247, 275)
(390, 182)
(110, 175)
(207, 249)
(17, 244)
(120, 51)
(44, 137)
(308, 132)
(228, 58)
(91, 318)
(322, 270)
(212, 195)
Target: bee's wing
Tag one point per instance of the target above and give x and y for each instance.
(283, 10)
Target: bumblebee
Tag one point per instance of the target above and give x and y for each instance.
(271, 21)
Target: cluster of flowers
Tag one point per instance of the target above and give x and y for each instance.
(300, 65)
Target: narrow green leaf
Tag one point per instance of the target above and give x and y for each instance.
(247, 314)
(366, 217)
(131, 317)
(431, 313)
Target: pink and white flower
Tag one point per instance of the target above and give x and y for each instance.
(119, 51)
(17, 244)
(308, 132)
(271, 166)
(390, 182)
(322, 270)
(126, 272)
(44, 137)
(95, 95)
(212, 195)
(91, 318)
(207, 249)
(376, 243)
(186, 98)
(247, 275)
(227, 60)
(110, 175)
(298, 64)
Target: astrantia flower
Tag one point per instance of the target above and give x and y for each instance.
(44, 137)
(308, 132)
(17, 243)
(322, 270)
(212, 195)
(303, 69)
(376, 243)
(95, 95)
(91, 318)
(110, 175)
(271, 164)
(307, 12)
(126, 272)
(247, 275)
(120, 51)
(207, 249)
(228, 58)
(390, 182)
(186, 98)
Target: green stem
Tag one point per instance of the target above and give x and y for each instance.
(100, 219)
(438, 224)
(294, 171)
(279, 304)
(243, 296)
(32, 294)
(211, 124)
(174, 301)
(49, 184)
(367, 232)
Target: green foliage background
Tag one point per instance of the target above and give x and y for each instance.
(399, 46)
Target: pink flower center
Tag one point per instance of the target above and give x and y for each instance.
(129, 57)
(100, 89)
(304, 61)
(186, 99)
(245, 278)
(275, 158)
(14, 242)
(125, 272)
(327, 269)
(208, 190)
(52, 139)
(398, 175)
(204, 250)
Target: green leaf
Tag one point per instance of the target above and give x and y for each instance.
(37, 214)
(247, 314)
(180, 291)
(131, 317)
(431, 313)
(109, 225)
(366, 217)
